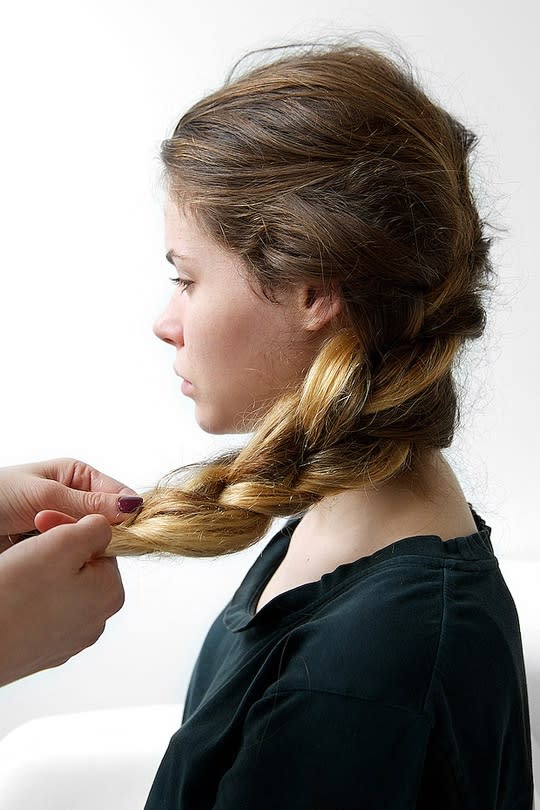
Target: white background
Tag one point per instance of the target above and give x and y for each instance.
(90, 88)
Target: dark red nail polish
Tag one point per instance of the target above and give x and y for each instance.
(129, 504)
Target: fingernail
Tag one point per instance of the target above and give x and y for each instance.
(129, 504)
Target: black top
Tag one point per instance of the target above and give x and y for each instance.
(394, 682)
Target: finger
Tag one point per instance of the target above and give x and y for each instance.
(49, 519)
(105, 574)
(80, 475)
(80, 503)
(81, 542)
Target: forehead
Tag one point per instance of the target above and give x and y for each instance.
(181, 229)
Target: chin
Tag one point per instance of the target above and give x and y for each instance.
(214, 424)
(219, 426)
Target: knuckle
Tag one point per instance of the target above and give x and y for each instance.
(62, 462)
(116, 597)
(99, 631)
(111, 589)
(93, 634)
(63, 659)
(51, 489)
(92, 502)
(120, 599)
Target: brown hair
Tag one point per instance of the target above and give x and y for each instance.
(330, 164)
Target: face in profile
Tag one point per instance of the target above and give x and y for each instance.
(236, 351)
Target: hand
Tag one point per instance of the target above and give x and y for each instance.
(64, 485)
(56, 592)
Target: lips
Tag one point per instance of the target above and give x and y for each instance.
(187, 388)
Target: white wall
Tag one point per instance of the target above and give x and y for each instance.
(89, 91)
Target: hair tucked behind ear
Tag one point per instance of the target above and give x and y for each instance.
(332, 165)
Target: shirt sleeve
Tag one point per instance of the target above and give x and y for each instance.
(322, 751)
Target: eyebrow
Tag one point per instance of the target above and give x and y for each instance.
(169, 256)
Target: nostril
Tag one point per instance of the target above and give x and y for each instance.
(160, 332)
(167, 329)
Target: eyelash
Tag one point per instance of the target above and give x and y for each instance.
(182, 283)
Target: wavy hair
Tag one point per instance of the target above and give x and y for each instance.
(329, 163)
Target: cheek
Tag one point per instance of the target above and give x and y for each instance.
(224, 332)
(241, 351)
(219, 344)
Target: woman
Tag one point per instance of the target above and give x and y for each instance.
(331, 267)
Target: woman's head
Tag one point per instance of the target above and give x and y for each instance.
(332, 169)
(330, 177)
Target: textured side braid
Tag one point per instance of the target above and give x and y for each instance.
(329, 165)
(336, 432)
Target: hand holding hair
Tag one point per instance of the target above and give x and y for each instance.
(56, 593)
(56, 590)
(29, 491)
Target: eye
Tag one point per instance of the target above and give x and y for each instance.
(183, 283)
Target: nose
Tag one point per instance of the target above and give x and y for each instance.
(168, 327)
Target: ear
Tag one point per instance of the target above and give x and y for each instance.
(319, 306)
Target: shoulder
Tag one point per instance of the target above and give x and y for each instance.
(374, 638)
(386, 634)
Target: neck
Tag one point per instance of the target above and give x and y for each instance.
(358, 522)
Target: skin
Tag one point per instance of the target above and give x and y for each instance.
(35, 495)
(56, 589)
(66, 590)
(239, 352)
(369, 520)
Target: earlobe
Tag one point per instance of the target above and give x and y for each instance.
(320, 307)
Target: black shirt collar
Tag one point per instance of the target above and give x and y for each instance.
(240, 612)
